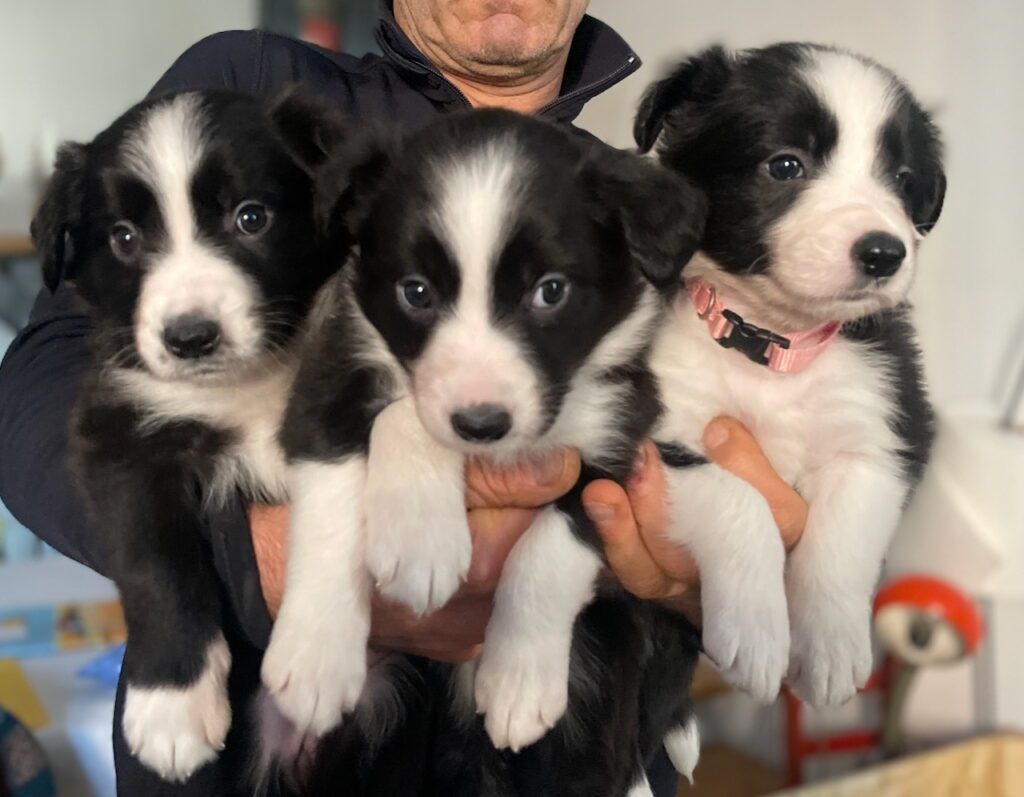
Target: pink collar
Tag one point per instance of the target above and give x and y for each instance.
(787, 355)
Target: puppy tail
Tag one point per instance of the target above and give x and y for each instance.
(682, 744)
(284, 754)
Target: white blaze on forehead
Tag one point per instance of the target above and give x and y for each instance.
(477, 197)
(862, 98)
(165, 152)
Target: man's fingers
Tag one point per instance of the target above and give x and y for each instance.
(608, 506)
(731, 445)
(494, 531)
(526, 485)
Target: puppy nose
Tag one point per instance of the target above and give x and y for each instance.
(879, 254)
(191, 336)
(482, 422)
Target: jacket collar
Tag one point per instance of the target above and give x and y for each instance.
(598, 59)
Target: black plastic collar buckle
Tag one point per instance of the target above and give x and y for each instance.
(750, 340)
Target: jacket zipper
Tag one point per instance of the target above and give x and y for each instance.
(594, 87)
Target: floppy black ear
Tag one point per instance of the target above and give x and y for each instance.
(661, 212)
(309, 125)
(55, 225)
(932, 209)
(698, 79)
(348, 182)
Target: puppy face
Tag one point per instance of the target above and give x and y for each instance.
(188, 227)
(500, 260)
(822, 171)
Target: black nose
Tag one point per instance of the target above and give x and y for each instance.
(482, 422)
(879, 254)
(191, 337)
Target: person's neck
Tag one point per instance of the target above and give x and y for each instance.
(488, 86)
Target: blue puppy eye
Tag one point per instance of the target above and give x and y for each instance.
(415, 294)
(550, 292)
(786, 167)
(125, 239)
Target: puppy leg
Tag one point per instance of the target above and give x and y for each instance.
(176, 711)
(418, 541)
(728, 527)
(522, 679)
(854, 507)
(642, 788)
(315, 666)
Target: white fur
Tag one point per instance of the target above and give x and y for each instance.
(823, 428)
(250, 407)
(729, 528)
(315, 666)
(176, 730)
(188, 276)
(683, 747)
(641, 789)
(418, 542)
(523, 675)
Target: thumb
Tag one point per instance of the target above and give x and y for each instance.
(525, 485)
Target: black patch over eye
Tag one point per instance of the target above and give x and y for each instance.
(416, 296)
(550, 293)
(786, 167)
(125, 240)
(906, 182)
(251, 218)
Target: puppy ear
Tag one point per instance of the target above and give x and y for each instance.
(697, 80)
(55, 224)
(661, 213)
(310, 127)
(928, 217)
(350, 180)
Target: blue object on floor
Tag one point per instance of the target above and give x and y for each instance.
(106, 668)
(23, 764)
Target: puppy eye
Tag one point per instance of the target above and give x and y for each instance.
(906, 181)
(251, 218)
(125, 240)
(416, 296)
(786, 167)
(550, 293)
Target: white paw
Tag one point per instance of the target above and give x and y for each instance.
(746, 628)
(418, 546)
(315, 678)
(176, 730)
(831, 655)
(523, 689)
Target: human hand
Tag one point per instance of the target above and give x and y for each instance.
(633, 521)
(500, 504)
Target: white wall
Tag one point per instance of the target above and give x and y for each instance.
(964, 60)
(69, 67)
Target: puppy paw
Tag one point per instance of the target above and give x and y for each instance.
(523, 689)
(176, 730)
(831, 655)
(746, 629)
(418, 543)
(315, 678)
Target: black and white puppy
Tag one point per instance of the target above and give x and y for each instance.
(501, 301)
(823, 174)
(188, 228)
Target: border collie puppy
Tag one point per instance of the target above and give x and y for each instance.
(504, 291)
(188, 229)
(823, 175)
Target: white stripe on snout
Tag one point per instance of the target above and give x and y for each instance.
(469, 359)
(187, 275)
